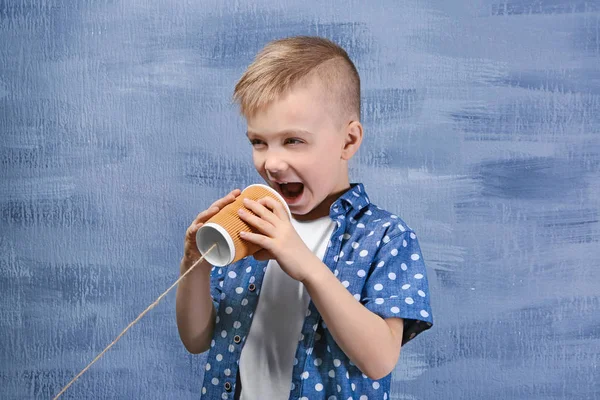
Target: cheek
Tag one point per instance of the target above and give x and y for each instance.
(257, 161)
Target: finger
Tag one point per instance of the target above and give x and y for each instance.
(190, 240)
(235, 192)
(259, 209)
(276, 207)
(230, 198)
(206, 214)
(191, 231)
(257, 222)
(256, 238)
(217, 206)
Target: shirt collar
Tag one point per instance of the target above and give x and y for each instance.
(351, 202)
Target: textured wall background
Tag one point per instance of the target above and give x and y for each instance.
(482, 131)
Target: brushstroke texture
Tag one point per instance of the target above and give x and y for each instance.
(482, 131)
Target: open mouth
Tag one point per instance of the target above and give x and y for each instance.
(291, 190)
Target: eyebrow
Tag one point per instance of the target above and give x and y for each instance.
(283, 133)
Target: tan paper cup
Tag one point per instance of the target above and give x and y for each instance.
(224, 229)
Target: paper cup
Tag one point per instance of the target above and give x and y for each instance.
(224, 229)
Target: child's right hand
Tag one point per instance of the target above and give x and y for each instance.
(190, 249)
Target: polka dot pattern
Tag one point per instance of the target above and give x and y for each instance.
(375, 256)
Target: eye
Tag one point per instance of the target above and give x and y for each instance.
(293, 141)
(256, 142)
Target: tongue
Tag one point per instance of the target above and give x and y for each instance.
(292, 189)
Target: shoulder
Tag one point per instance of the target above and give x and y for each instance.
(378, 222)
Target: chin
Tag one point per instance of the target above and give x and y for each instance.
(301, 211)
(298, 210)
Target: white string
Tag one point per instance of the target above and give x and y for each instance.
(150, 307)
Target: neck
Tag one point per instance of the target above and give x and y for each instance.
(322, 209)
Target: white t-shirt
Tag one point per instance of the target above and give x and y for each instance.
(267, 359)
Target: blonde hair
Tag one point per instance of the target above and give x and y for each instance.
(283, 63)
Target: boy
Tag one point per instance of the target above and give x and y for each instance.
(323, 310)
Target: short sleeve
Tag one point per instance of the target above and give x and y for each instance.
(397, 285)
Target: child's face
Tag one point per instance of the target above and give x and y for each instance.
(297, 147)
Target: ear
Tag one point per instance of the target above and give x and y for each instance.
(353, 134)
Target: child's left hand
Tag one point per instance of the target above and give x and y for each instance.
(277, 238)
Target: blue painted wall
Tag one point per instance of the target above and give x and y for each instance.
(482, 131)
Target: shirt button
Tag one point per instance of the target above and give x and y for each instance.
(237, 338)
(228, 386)
(251, 287)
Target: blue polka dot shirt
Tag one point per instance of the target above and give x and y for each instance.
(375, 255)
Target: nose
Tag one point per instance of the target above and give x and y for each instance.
(274, 163)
